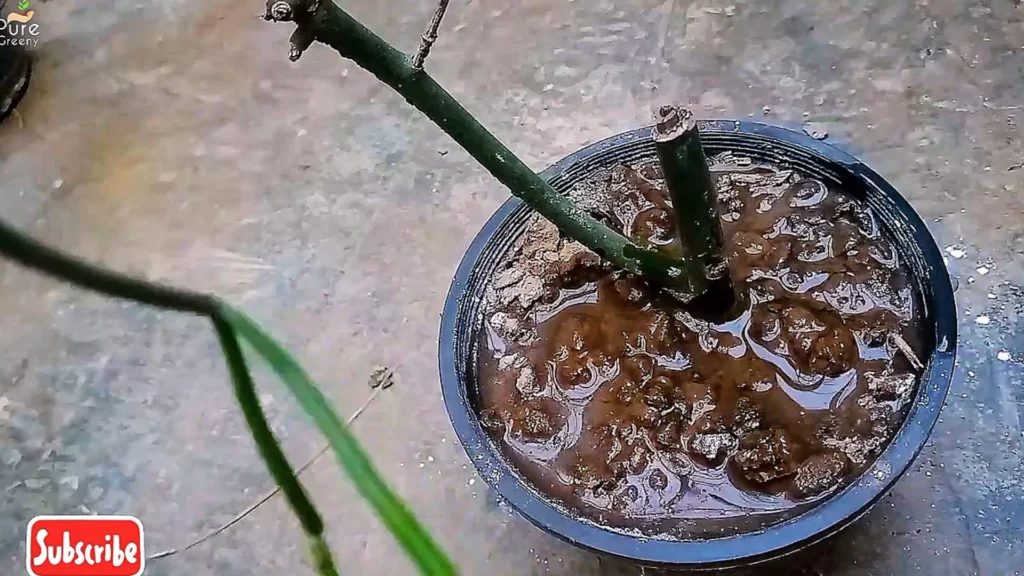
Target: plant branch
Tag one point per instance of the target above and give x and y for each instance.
(329, 24)
(31, 253)
(429, 36)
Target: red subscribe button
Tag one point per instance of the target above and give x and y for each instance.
(85, 546)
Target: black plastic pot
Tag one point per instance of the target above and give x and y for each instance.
(462, 319)
(15, 71)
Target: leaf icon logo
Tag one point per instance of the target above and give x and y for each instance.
(22, 18)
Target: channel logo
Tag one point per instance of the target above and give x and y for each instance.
(25, 17)
(85, 546)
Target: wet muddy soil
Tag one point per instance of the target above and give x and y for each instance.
(617, 403)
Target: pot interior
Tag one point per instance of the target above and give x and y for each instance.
(933, 293)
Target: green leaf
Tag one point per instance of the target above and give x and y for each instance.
(270, 449)
(266, 443)
(24, 4)
(322, 558)
(418, 544)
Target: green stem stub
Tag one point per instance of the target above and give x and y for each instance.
(692, 191)
(689, 183)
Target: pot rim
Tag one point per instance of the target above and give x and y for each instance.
(824, 519)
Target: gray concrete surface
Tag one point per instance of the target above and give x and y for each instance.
(173, 139)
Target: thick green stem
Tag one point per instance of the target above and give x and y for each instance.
(331, 25)
(692, 191)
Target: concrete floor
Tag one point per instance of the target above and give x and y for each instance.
(173, 139)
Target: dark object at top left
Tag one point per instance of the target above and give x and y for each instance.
(15, 71)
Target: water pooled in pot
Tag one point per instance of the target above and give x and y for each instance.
(619, 405)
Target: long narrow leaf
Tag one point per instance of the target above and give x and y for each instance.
(418, 544)
(322, 558)
(266, 443)
(270, 448)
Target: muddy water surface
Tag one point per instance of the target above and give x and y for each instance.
(615, 401)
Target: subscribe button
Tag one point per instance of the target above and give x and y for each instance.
(85, 546)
